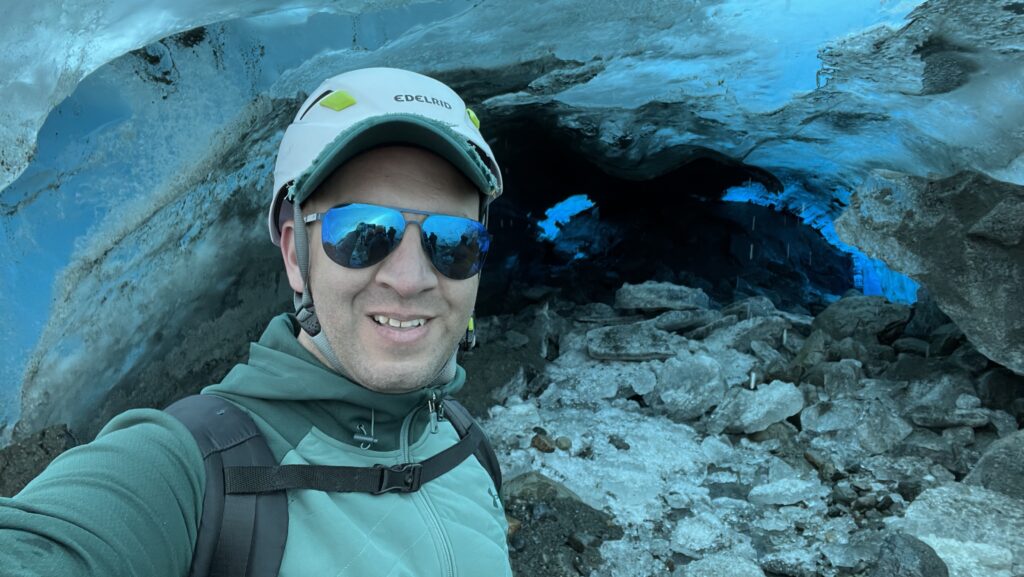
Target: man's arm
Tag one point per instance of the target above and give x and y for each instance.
(126, 504)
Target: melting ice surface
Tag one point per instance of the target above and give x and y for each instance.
(871, 275)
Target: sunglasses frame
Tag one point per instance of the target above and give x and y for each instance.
(319, 216)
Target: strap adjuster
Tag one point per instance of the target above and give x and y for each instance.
(403, 478)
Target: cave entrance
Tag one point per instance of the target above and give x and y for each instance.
(673, 227)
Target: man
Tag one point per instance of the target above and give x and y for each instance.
(377, 162)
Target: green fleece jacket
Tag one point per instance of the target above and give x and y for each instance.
(129, 503)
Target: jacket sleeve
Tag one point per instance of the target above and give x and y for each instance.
(126, 504)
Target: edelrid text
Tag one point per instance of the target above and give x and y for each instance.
(421, 98)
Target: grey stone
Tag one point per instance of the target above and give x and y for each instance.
(701, 333)
(861, 317)
(689, 385)
(746, 411)
(738, 336)
(912, 345)
(946, 339)
(758, 306)
(975, 531)
(813, 351)
(659, 296)
(682, 321)
(999, 387)
(939, 417)
(1001, 467)
(974, 275)
(925, 316)
(903, 555)
(967, 358)
(842, 379)
(1004, 422)
(933, 446)
(1003, 224)
(635, 342)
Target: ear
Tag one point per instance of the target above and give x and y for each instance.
(291, 259)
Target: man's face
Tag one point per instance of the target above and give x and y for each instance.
(404, 286)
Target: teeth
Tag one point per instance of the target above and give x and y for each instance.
(383, 320)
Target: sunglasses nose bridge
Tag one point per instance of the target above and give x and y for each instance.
(408, 269)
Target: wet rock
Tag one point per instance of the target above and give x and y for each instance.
(903, 555)
(659, 296)
(634, 342)
(861, 317)
(970, 271)
(925, 316)
(974, 530)
(591, 383)
(555, 525)
(999, 387)
(683, 321)
(689, 385)
(1005, 423)
(946, 339)
(758, 306)
(1001, 467)
(968, 359)
(746, 411)
(618, 442)
(912, 345)
(939, 417)
(564, 443)
(21, 461)
(933, 446)
(721, 565)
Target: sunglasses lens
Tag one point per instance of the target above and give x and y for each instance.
(457, 246)
(361, 235)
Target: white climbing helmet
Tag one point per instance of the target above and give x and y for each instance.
(361, 109)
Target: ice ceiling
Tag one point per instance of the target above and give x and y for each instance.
(129, 128)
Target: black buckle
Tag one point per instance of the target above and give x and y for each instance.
(404, 478)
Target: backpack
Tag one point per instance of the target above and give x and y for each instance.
(244, 524)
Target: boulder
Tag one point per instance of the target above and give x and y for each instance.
(861, 317)
(903, 555)
(974, 530)
(1001, 467)
(972, 263)
(633, 342)
(871, 426)
(659, 296)
(682, 321)
(758, 306)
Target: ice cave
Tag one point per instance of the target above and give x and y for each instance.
(755, 304)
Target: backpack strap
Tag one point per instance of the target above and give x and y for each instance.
(379, 479)
(230, 543)
(460, 418)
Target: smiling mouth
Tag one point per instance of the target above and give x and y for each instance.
(395, 323)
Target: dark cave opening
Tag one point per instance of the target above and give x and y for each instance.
(673, 227)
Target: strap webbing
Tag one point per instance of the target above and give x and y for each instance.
(404, 478)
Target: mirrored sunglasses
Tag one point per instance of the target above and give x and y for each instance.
(361, 235)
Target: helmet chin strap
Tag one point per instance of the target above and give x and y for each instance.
(305, 312)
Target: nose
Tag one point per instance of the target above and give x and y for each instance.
(408, 270)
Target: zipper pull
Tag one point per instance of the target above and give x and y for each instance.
(432, 405)
(495, 500)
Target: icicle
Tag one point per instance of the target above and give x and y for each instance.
(785, 333)
(751, 380)
(753, 224)
(751, 251)
(787, 251)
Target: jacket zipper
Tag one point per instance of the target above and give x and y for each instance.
(447, 553)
